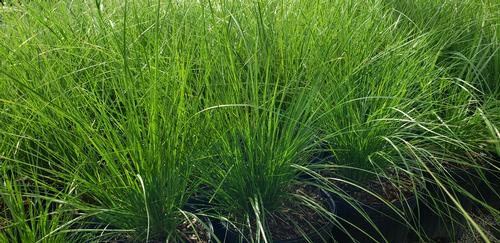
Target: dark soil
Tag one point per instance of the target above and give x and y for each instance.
(193, 231)
(293, 216)
(392, 187)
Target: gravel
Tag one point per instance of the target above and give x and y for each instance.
(489, 223)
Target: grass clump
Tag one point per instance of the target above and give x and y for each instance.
(127, 150)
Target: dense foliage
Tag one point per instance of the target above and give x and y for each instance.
(124, 119)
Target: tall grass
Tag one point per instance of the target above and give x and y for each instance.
(122, 113)
(101, 114)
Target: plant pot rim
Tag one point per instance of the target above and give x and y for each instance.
(402, 196)
(341, 200)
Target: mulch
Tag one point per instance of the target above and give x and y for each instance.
(284, 224)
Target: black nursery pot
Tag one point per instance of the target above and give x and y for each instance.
(490, 185)
(467, 179)
(386, 225)
(225, 233)
(490, 189)
(437, 214)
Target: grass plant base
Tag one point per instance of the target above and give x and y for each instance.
(227, 233)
